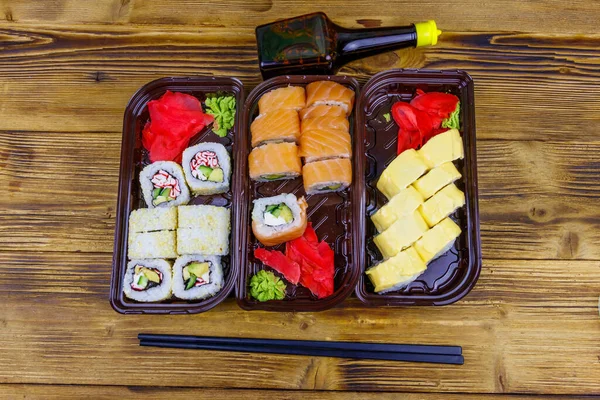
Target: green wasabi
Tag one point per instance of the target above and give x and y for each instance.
(223, 109)
(453, 121)
(265, 286)
(387, 117)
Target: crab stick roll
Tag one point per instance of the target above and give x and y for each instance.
(163, 185)
(147, 280)
(207, 168)
(197, 277)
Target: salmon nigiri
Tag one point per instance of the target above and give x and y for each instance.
(330, 93)
(316, 123)
(327, 176)
(322, 110)
(319, 144)
(289, 97)
(275, 125)
(274, 161)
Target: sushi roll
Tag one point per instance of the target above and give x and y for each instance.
(203, 229)
(147, 280)
(153, 219)
(278, 219)
(442, 204)
(289, 97)
(163, 185)
(330, 93)
(321, 144)
(401, 234)
(326, 176)
(438, 240)
(322, 110)
(397, 272)
(207, 168)
(406, 168)
(443, 148)
(274, 161)
(197, 277)
(158, 244)
(275, 126)
(316, 123)
(430, 183)
(401, 205)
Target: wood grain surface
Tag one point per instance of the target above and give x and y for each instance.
(529, 329)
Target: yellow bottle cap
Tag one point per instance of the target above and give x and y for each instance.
(427, 33)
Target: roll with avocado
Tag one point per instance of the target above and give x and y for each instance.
(207, 168)
(163, 185)
(148, 280)
(197, 277)
(278, 219)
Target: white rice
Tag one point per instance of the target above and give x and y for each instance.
(160, 244)
(197, 292)
(198, 186)
(157, 293)
(153, 219)
(258, 212)
(172, 168)
(332, 103)
(203, 230)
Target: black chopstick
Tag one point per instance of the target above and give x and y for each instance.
(380, 347)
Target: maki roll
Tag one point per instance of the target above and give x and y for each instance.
(147, 280)
(279, 219)
(207, 168)
(163, 185)
(274, 161)
(152, 233)
(327, 176)
(197, 277)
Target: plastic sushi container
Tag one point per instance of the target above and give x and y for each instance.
(341, 219)
(451, 276)
(134, 157)
(335, 216)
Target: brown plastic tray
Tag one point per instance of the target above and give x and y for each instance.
(134, 157)
(336, 217)
(450, 277)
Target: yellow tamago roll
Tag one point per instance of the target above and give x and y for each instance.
(404, 170)
(442, 148)
(404, 232)
(430, 183)
(402, 204)
(437, 240)
(397, 272)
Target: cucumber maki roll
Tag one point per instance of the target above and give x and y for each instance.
(148, 280)
(197, 277)
(207, 168)
(163, 185)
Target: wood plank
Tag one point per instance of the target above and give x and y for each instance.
(470, 15)
(76, 392)
(527, 327)
(534, 207)
(524, 83)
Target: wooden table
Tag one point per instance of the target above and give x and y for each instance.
(530, 326)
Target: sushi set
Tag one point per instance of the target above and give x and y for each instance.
(296, 196)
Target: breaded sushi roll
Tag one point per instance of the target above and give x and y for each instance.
(197, 277)
(153, 219)
(148, 280)
(278, 219)
(274, 161)
(203, 229)
(158, 244)
(163, 185)
(207, 168)
(326, 176)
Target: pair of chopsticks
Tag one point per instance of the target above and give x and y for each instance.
(366, 351)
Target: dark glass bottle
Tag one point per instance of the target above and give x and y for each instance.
(312, 44)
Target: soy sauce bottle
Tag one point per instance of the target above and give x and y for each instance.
(312, 44)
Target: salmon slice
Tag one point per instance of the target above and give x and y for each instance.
(317, 123)
(289, 97)
(274, 161)
(275, 125)
(327, 175)
(319, 144)
(322, 110)
(329, 93)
